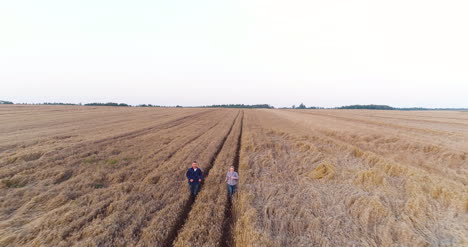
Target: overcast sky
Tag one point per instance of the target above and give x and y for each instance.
(321, 53)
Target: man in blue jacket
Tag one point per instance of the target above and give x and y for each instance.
(194, 176)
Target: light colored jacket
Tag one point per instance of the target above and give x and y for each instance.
(231, 175)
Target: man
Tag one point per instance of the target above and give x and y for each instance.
(194, 176)
(231, 179)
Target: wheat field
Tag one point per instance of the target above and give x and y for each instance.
(115, 176)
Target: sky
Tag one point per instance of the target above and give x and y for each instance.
(402, 53)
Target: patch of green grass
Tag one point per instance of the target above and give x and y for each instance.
(98, 186)
(32, 156)
(90, 160)
(10, 183)
(127, 160)
(64, 177)
(11, 160)
(111, 161)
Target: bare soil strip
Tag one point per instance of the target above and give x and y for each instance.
(137, 133)
(131, 134)
(90, 147)
(137, 233)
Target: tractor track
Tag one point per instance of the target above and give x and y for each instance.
(81, 148)
(181, 146)
(180, 222)
(134, 134)
(227, 237)
(129, 135)
(138, 231)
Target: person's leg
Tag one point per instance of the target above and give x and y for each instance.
(195, 189)
(229, 190)
(234, 189)
(191, 189)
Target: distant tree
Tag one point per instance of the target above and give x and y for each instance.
(368, 107)
(107, 104)
(56, 103)
(147, 105)
(301, 106)
(293, 107)
(265, 106)
(4, 102)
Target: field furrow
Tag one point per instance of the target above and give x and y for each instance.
(182, 219)
(120, 165)
(212, 203)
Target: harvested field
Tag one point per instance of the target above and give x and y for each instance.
(353, 178)
(114, 176)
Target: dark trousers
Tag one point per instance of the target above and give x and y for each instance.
(194, 188)
(231, 189)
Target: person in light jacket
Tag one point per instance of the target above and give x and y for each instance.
(231, 178)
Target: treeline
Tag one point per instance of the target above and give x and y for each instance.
(302, 106)
(148, 105)
(386, 107)
(376, 107)
(260, 106)
(102, 104)
(431, 109)
(107, 104)
(367, 107)
(87, 104)
(55, 103)
(265, 106)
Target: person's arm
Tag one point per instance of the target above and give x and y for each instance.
(200, 175)
(236, 176)
(189, 176)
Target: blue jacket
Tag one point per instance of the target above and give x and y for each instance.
(195, 175)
